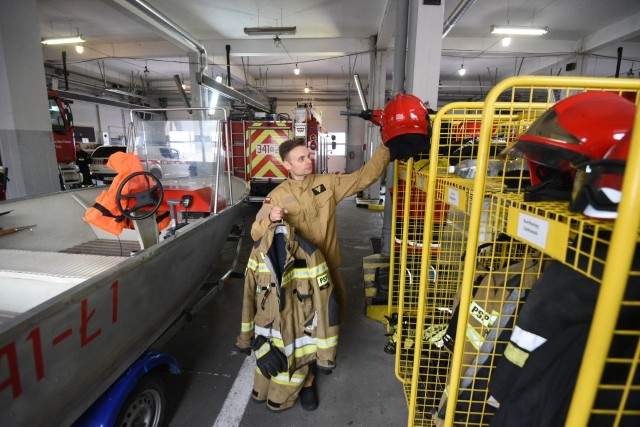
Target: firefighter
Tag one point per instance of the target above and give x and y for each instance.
(289, 316)
(83, 160)
(308, 201)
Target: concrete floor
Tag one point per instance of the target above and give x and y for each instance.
(362, 391)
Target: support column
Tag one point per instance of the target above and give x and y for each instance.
(26, 139)
(424, 51)
(377, 94)
(399, 73)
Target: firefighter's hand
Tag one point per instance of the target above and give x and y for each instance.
(277, 213)
(242, 350)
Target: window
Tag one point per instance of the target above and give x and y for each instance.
(341, 143)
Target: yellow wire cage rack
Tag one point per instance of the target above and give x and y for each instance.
(462, 254)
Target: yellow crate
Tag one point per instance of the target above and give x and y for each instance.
(506, 237)
(558, 234)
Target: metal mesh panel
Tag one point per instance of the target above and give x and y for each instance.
(478, 263)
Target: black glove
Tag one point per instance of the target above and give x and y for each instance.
(324, 371)
(366, 114)
(246, 350)
(269, 359)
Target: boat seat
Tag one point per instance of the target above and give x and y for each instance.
(54, 264)
(28, 278)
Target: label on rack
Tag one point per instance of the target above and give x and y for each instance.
(456, 198)
(549, 236)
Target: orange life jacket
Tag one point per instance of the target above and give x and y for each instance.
(105, 214)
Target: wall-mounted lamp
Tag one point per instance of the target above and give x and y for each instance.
(519, 31)
(63, 40)
(268, 31)
(296, 70)
(462, 71)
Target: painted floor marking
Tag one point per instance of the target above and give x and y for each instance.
(238, 397)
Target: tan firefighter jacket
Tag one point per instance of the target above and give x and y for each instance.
(289, 298)
(311, 203)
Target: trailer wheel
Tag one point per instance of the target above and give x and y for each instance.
(145, 406)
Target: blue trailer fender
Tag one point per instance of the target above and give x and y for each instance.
(105, 410)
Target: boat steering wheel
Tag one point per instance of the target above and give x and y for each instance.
(150, 196)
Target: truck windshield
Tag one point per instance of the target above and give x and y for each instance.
(57, 119)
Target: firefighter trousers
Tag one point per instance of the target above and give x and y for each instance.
(280, 392)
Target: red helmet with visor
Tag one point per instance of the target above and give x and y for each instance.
(578, 129)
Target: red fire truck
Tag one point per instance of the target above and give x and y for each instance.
(62, 127)
(255, 143)
(63, 138)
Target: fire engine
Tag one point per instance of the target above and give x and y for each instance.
(255, 143)
(62, 128)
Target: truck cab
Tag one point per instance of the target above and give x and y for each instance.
(62, 128)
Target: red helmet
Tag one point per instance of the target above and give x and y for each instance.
(468, 130)
(597, 188)
(578, 129)
(404, 114)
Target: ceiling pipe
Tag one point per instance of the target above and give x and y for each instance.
(154, 17)
(97, 100)
(455, 16)
(231, 93)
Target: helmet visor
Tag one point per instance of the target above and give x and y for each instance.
(546, 155)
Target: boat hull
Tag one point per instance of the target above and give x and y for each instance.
(58, 357)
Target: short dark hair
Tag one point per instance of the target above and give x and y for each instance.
(289, 145)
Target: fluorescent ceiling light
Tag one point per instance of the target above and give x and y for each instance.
(269, 31)
(519, 31)
(63, 40)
